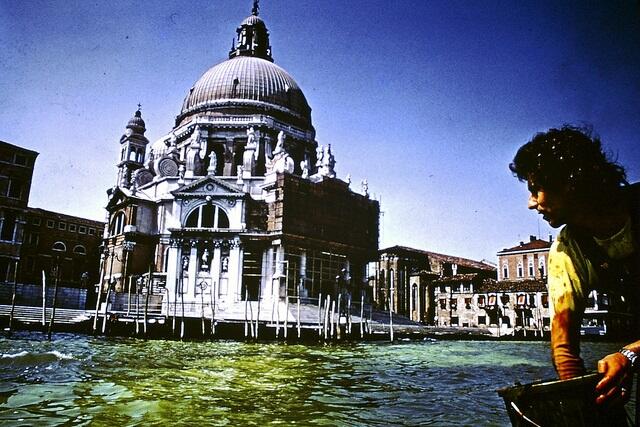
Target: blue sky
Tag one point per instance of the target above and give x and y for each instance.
(427, 100)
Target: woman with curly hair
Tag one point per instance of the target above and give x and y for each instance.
(572, 182)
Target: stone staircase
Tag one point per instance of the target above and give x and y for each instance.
(33, 315)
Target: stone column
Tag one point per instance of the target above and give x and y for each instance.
(215, 268)
(235, 270)
(173, 262)
(279, 272)
(411, 302)
(193, 269)
(267, 274)
(302, 288)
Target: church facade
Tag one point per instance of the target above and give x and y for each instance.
(238, 201)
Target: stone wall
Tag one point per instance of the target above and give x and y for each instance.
(31, 295)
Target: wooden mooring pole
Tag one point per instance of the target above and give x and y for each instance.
(286, 316)
(339, 306)
(146, 300)
(13, 295)
(298, 320)
(137, 310)
(320, 314)
(212, 296)
(246, 308)
(391, 315)
(202, 309)
(349, 314)
(333, 318)
(361, 315)
(44, 303)
(326, 317)
(53, 307)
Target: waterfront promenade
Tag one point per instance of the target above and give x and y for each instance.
(245, 320)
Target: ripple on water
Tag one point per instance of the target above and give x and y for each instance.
(107, 381)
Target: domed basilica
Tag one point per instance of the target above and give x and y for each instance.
(238, 201)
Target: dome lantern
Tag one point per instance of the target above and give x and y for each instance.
(253, 37)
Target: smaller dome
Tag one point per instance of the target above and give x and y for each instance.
(252, 20)
(136, 123)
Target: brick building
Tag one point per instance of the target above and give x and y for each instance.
(16, 172)
(528, 260)
(39, 241)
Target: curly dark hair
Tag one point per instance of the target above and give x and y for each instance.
(570, 157)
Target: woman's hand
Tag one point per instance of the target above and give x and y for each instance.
(615, 386)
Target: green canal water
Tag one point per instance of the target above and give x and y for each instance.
(80, 380)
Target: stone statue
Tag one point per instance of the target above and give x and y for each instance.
(213, 163)
(193, 162)
(319, 152)
(282, 161)
(328, 161)
(204, 264)
(250, 154)
(240, 180)
(304, 165)
(365, 188)
(280, 144)
(348, 179)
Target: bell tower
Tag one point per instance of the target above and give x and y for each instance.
(133, 146)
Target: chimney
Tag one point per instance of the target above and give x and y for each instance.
(550, 238)
(532, 238)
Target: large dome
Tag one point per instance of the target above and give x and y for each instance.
(247, 81)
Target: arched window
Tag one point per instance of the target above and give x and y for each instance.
(207, 216)
(542, 267)
(59, 246)
(532, 272)
(520, 269)
(505, 271)
(80, 250)
(117, 224)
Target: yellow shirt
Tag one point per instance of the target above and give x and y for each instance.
(571, 277)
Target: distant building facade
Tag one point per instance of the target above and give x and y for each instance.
(403, 279)
(41, 243)
(515, 304)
